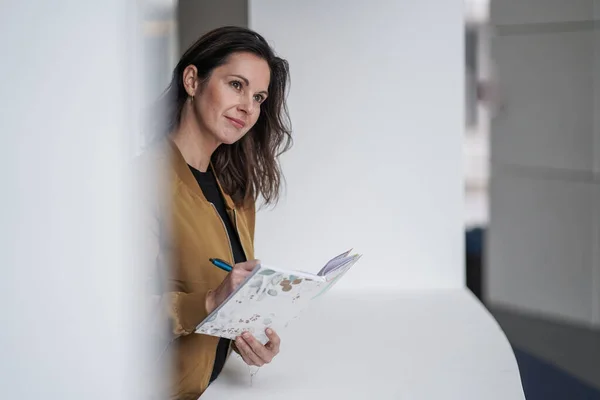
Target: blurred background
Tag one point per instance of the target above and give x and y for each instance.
(532, 185)
(530, 150)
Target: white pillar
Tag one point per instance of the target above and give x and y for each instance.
(70, 77)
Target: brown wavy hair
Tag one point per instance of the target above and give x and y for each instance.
(248, 168)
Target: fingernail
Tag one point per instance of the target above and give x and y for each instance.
(246, 335)
(269, 331)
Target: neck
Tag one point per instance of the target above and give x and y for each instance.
(195, 146)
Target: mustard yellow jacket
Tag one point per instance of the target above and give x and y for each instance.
(181, 231)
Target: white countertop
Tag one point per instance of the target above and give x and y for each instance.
(386, 345)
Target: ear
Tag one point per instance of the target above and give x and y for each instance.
(190, 80)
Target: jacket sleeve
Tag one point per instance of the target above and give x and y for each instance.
(178, 312)
(169, 311)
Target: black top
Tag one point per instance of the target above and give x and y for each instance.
(210, 188)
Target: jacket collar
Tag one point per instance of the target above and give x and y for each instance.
(187, 177)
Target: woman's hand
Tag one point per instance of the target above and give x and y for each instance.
(253, 352)
(234, 278)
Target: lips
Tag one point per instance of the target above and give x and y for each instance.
(238, 123)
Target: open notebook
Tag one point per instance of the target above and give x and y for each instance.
(272, 297)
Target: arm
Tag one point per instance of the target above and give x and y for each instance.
(173, 312)
(168, 311)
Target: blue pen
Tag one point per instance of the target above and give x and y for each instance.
(221, 264)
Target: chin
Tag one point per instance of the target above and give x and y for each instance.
(231, 137)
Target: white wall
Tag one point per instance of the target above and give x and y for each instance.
(70, 315)
(377, 108)
(545, 189)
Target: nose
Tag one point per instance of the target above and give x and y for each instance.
(246, 104)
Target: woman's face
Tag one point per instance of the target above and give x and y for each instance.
(228, 105)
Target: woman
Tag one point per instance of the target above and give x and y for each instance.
(227, 124)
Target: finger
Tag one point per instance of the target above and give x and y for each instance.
(274, 341)
(248, 265)
(238, 275)
(251, 358)
(265, 354)
(245, 357)
(243, 350)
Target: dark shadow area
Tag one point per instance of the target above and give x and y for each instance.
(544, 381)
(557, 360)
(474, 261)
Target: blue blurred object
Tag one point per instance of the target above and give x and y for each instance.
(544, 381)
(474, 261)
(474, 241)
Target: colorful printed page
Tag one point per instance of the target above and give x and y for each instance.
(272, 298)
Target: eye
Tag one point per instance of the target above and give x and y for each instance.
(237, 85)
(259, 98)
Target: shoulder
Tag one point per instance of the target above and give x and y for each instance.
(152, 175)
(248, 210)
(154, 164)
(155, 156)
(248, 206)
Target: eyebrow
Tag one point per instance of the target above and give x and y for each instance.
(247, 82)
